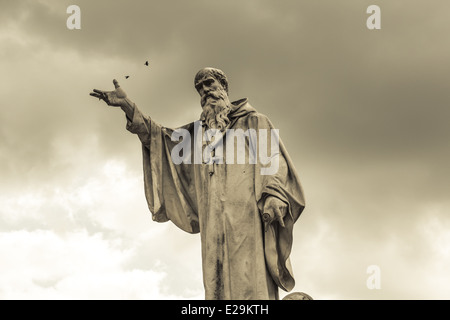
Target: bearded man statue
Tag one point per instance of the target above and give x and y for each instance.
(245, 218)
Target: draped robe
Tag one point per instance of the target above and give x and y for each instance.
(224, 202)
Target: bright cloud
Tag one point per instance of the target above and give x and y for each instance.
(43, 265)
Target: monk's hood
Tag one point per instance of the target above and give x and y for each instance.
(240, 108)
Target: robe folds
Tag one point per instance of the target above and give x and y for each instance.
(224, 202)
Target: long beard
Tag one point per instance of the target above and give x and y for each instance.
(215, 110)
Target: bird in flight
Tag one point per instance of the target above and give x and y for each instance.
(146, 63)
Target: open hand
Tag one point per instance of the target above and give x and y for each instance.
(114, 98)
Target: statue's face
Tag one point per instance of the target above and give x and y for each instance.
(215, 103)
(207, 84)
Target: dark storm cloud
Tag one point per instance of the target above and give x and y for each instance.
(346, 93)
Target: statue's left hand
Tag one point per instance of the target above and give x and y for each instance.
(274, 209)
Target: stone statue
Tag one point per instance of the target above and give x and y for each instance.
(245, 215)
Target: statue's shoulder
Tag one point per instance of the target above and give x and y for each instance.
(245, 109)
(258, 119)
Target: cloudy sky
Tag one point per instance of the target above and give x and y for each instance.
(363, 113)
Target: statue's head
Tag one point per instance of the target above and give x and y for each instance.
(208, 74)
(212, 85)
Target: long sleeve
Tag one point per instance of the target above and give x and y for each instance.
(138, 123)
(168, 187)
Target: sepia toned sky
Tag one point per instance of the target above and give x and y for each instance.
(364, 115)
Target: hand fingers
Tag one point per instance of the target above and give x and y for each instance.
(279, 216)
(101, 96)
(266, 226)
(97, 95)
(116, 83)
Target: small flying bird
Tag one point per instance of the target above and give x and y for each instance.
(126, 77)
(146, 63)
